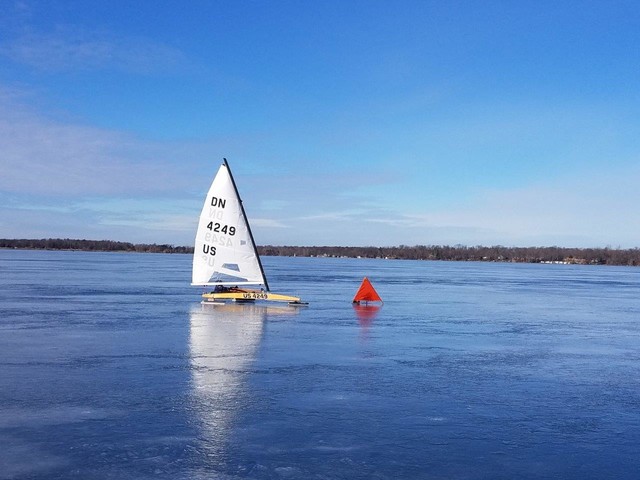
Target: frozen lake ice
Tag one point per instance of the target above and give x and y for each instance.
(111, 368)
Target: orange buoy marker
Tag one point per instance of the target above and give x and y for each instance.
(366, 293)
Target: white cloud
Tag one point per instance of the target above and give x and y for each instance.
(59, 178)
(585, 209)
(156, 221)
(41, 156)
(275, 205)
(344, 215)
(73, 180)
(70, 48)
(267, 223)
(590, 209)
(138, 226)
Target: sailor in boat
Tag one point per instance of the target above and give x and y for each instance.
(234, 289)
(223, 289)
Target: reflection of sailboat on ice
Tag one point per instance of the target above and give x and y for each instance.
(223, 346)
(225, 254)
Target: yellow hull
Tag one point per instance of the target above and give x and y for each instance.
(242, 295)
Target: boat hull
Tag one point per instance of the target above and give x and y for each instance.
(246, 295)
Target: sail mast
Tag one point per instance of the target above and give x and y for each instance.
(233, 182)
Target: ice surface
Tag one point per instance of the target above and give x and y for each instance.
(111, 368)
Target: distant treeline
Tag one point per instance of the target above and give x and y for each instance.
(91, 245)
(585, 256)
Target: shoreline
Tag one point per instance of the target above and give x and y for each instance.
(545, 255)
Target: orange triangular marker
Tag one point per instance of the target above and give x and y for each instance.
(366, 293)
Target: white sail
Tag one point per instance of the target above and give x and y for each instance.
(224, 252)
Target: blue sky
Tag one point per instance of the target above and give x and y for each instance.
(345, 122)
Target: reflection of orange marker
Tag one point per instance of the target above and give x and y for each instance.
(366, 293)
(366, 313)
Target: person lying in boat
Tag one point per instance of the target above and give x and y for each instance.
(223, 289)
